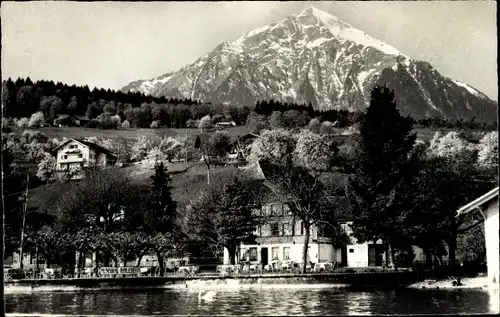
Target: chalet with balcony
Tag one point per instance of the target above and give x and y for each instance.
(73, 155)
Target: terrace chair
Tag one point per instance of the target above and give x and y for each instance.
(335, 266)
(279, 266)
(287, 266)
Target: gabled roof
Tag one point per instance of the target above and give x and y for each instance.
(94, 146)
(479, 201)
(82, 118)
(248, 136)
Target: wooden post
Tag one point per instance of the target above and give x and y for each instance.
(21, 255)
(185, 147)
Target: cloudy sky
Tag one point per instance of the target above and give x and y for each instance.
(109, 44)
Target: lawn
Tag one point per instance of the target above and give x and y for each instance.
(424, 134)
(78, 132)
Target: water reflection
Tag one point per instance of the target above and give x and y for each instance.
(257, 301)
(358, 303)
(494, 301)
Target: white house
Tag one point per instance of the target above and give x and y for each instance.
(360, 254)
(488, 206)
(74, 154)
(221, 125)
(281, 237)
(370, 253)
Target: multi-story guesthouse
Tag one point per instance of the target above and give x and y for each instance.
(73, 155)
(280, 236)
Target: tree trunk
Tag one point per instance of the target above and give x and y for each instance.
(452, 248)
(386, 252)
(428, 258)
(36, 257)
(208, 174)
(231, 250)
(160, 263)
(139, 260)
(393, 258)
(306, 246)
(81, 263)
(96, 272)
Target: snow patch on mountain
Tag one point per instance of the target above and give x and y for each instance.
(469, 89)
(341, 29)
(317, 42)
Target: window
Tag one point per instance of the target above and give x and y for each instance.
(258, 231)
(253, 254)
(286, 210)
(275, 253)
(73, 146)
(64, 157)
(81, 165)
(275, 229)
(351, 250)
(345, 228)
(286, 253)
(286, 229)
(80, 155)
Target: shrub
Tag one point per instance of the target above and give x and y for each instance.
(116, 120)
(126, 124)
(92, 124)
(22, 122)
(155, 124)
(326, 128)
(205, 122)
(314, 125)
(192, 123)
(36, 119)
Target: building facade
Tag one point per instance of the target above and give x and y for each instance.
(281, 237)
(487, 205)
(73, 155)
(371, 253)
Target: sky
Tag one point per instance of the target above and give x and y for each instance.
(109, 44)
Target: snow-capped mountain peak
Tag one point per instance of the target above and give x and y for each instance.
(312, 56)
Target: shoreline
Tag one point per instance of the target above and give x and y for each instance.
(479, 282)
(354, 281)
(335, 280)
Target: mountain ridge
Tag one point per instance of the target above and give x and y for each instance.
(312, 56)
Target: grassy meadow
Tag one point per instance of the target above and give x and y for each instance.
(78, 132)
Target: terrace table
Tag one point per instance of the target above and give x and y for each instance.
(190, 270)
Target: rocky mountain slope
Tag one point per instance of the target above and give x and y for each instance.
(312, 56)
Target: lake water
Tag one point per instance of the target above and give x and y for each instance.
(264, 301)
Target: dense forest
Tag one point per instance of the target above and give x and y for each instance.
(115, 109)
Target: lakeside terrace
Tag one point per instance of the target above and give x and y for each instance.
(241, 270)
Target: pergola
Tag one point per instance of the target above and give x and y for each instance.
(488, 206)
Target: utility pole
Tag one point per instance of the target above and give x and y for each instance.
(185, 147)
(21, 255)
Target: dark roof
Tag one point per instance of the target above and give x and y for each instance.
(96, 147)
(248, 136)
(335, 183)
